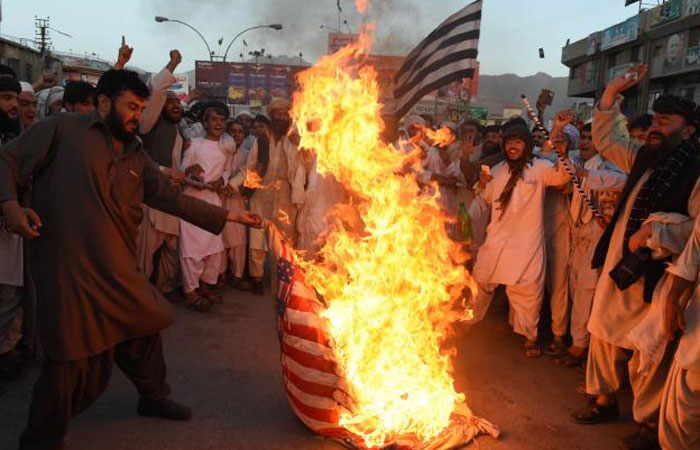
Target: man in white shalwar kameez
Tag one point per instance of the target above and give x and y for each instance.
(596, 175)
(208, 160)
(679, 420)
(513, 253)
(275, 159)
(662, 177)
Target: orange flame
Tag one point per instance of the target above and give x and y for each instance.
(391, 286)
(252, 180)
(440, 138)
(361, 6)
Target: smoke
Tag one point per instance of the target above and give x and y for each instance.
(400, 24)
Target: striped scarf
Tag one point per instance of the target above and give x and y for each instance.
(657, 186)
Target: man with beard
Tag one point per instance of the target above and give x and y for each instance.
(513, 253)
(27, 105)
(597, 175)
(78, 97)
(89, 176)
(162, 141)
(274, 157)
(11, 252)
(492, 141)
(662, 177)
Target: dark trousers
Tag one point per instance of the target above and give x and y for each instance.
(65, 389)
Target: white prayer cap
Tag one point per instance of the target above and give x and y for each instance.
(245, 112)
(48, 97)
(26, 87)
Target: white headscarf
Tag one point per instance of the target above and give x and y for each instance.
(47, 97)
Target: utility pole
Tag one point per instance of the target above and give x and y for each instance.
(43, 40)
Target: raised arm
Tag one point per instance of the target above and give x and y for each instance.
(610, 178)
(609, 129)
(159, 87)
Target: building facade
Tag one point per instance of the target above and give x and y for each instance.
(666, 38)
(27, 62)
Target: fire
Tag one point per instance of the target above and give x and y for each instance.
(252, 180)
(361, 6)
(440, 138)
(392, 279)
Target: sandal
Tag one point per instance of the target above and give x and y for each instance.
(595, 414)
(570, 360)
(556, 349)
(200, 304)
(533, 351)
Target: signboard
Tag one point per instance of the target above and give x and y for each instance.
(510, 112)
(692, 58)
(692, 7)
(621, 33)
(245, 83)
(479, 113)
(181, 87)
(336, 41)
(671, 10)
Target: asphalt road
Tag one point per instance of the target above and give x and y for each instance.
(225, 365)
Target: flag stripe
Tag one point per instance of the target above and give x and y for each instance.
(469, 14)
(308, 386)
(469, 30)
(430, 79)
(313, 348)
(316, 376)
(312, 400)
(323, 428)
(307, 360)
(323, 415)
(466, 57)
(447, 54)
(426, 89)
(304, 332)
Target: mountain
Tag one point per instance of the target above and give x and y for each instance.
(497, 91)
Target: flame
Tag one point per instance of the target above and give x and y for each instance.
(361, 6)
(440, 138)
(252, 180)
(392, 278)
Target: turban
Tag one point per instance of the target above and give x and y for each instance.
(48, 97)
(9, 83)
(277, 103)
(672, 104)
(572, 134)
(26, 87)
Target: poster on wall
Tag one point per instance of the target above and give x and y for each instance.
(692, 58)
(621, 33)
(674, 53)
(592, 44)
(671, 10)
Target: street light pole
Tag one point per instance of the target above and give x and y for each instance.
(161, 19)
(274, 26)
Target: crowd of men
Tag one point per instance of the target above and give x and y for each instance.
(117, 198)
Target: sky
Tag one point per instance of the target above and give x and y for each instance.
(511, 30)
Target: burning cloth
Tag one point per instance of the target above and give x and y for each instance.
(317, 391)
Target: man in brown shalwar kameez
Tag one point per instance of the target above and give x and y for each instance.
(89, 176)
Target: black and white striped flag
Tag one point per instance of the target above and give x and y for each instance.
(447, 54)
